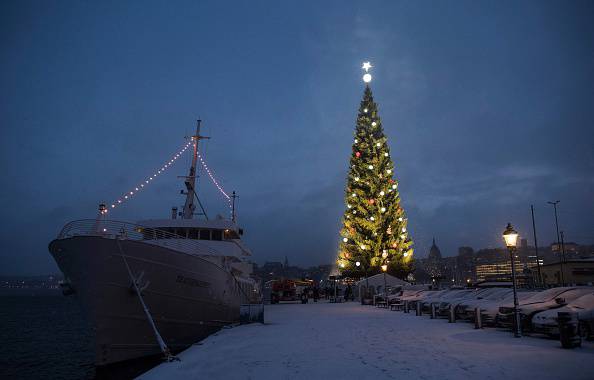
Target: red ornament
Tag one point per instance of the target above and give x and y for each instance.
(358, 154)
(371, 201)
(391, 181)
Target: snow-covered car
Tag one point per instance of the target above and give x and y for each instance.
(548, 299)
(465, 308)
(490, 308)
(437, 299)
(412, 301)
(405, 294)
(546, 321)
(443, 308)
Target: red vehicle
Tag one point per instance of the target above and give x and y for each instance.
(287, 290)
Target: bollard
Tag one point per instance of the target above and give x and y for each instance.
(419, 309)
(478, 322)
(568, 329)
(432, 310)
(406, 306)
(452, 314)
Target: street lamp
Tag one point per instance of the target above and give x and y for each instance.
(511, 241)
(561, 258)
(384, 269)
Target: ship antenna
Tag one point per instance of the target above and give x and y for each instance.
(190, 180)
(234, 196)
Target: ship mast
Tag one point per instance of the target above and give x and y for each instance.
(190, 180)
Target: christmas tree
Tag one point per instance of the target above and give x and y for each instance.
(374, 234)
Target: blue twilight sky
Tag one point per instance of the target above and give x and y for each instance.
(488, 107)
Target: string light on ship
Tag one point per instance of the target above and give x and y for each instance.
(129, 194)
(214, 181)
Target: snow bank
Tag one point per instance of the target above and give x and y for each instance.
(350, 341)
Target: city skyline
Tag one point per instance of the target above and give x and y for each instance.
(487, 110)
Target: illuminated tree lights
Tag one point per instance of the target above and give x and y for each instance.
(374, 235)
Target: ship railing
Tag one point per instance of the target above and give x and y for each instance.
(113, 229)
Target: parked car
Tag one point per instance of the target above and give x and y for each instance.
(437, 299)
(405, 294)
(412, 301)
(444, 304)
(490, 309)
(547, 299)
(546, 321)
(465, 309)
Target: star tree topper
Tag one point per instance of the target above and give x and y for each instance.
(366, 77)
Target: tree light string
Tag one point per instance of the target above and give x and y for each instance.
(128, 195)
(214, 181)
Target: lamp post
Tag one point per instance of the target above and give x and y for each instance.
(561, 259)
(384, 269)
(358, 264)
(511, 240)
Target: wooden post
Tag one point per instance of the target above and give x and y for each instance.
(568, 329)
(478, 322)
(419, 309)
(432, 310)
(452, 318)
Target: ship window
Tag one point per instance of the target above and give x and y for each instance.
(231, 234)
(204, 234)
(194, 233)
(217, 235)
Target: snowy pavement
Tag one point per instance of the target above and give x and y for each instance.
(350, 341)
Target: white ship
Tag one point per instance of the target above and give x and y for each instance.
(156, 286)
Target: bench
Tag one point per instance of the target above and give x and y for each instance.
(382, 304)
(398, 306)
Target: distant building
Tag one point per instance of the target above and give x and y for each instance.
(572, 251)
(466, 264)
(276, 270)
(272, 267)
(495, 265)
(579, 272)
(433, 264)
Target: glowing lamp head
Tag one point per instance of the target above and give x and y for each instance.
(367, 78)
(510, 236)
(384, 267)
(345, 239)
(358, 263)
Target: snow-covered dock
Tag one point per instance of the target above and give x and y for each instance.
(350, 341)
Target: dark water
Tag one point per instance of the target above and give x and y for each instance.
(44, 336)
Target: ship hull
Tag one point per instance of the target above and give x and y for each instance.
(188, 297)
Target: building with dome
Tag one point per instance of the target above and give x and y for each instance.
(433, 264)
